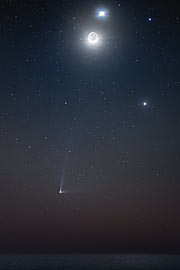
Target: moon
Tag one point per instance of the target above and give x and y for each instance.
(93, 38)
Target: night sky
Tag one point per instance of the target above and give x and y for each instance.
(89, 133)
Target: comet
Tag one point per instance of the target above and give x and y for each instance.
(63, 174)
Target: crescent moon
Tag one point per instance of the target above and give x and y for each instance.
(93, 38)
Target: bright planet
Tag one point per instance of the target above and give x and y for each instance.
(102, 13)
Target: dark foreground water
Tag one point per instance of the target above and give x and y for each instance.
(89, 262)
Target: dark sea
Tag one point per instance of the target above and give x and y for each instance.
(89, 262)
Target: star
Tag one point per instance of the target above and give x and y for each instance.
(144, 103)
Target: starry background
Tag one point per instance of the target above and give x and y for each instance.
(69, 111)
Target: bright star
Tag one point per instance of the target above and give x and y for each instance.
(149, 19)
(145, 103)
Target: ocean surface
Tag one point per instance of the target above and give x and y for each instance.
(89, 262)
